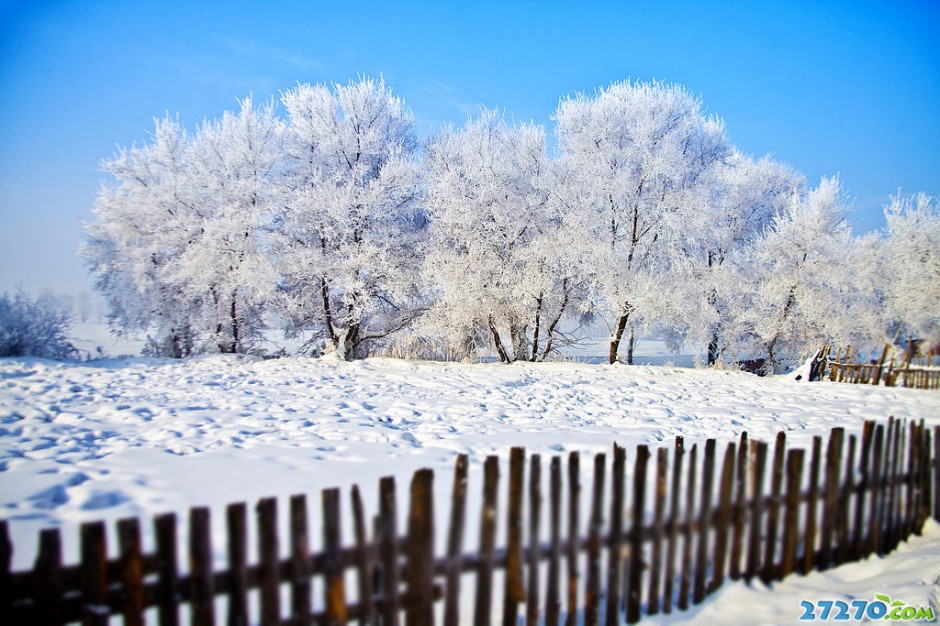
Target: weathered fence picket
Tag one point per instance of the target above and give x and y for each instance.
(741, 517)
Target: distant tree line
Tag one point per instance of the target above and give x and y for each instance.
(322, 214)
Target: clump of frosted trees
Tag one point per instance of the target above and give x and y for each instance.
(324, 217)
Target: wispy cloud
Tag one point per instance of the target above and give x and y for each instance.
(257, 50)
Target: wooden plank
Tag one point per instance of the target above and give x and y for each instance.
(236, 517)
(532, 553)
(772, 540)
(201, 591)
(791, 519)
(846, 490)
(674, 516)
(167, 569)
(49, 587)
(704, 524)
(936, 473)
(830, 504)
(300, 590)
(388, 551)
(659, 509)
(483, 604)
(458, 506)
(268, 574)
(6, 563)
(334, 566)
(925, 479)
(592, 591)
(132, 571)
(615, 547)
(758, 464)
(889, 535)
(812, 506)
(739, 516)
(94, 573)
(864, 467)
(913, 466)
(363, 558)
(419, 610)
(685, 574)
(574, 533)
(877, 483)
(553, 591)
(514, 592)
(635, 578)
(723, 520)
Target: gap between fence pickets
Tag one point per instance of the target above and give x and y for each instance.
(858, 496)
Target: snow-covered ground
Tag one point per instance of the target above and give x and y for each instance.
(134, 437)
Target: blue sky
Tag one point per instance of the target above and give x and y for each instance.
(829, 87)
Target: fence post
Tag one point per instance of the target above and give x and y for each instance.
(334, 588)
(535, 509)
(659, 508)
(792, 512)
(673, 524)
(420, 608)
(616, 533)
(593, 584)
(740, 511)
(858, 534)
(812, 506)
(202, 591)
(723, 522)
(49, 590)
(773, 513)
(844, 504)
(574, 534)
(301, 600)
(363, 560)
(877, 492)
(484, 589)
(167, 569)
(685, 576)
(830, 506)
(132, 571)
(268, 573)
(94, 574)
(634, 580)
(388, 550)
(552, 592)
(515, 588)
(237, 523)
(759, 458)
(455, 541)
(704, 523)
(891, 470)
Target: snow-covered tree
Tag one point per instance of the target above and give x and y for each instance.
(176, 249)
(747, 195)
(797, 282)
(641, 155)
(34, 327)
(910, 268)
(348, 235)
(497, 262)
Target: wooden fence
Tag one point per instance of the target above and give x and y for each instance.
(691, 518)
(910, 371)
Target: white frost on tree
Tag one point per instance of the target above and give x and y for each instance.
(641, 157)
(498, 262)
(347, 242)
(910, 268)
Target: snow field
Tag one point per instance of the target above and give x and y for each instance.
(137, 437)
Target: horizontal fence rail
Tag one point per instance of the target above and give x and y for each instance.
(686, 520)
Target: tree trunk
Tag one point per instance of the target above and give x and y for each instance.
(503, 356)
(352, 341)
(233, 313)
(631, 344)
(618, 335)
(520, 343)
(535, 333)
(713, 352)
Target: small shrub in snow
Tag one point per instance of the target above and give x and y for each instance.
(34, 328)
